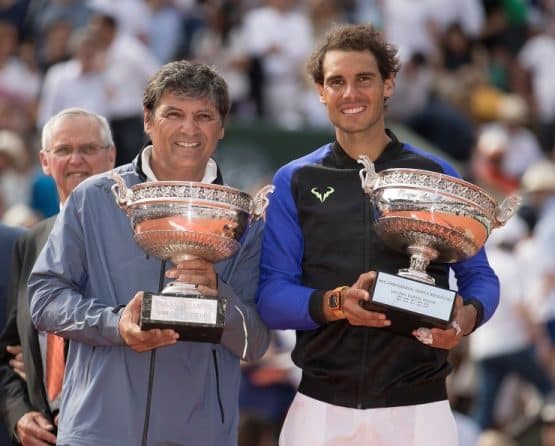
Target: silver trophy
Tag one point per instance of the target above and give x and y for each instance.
(431, 217)
(178, 221)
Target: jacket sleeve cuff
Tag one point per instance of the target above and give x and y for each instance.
(479, 312)
(110, 329)
(316, 307)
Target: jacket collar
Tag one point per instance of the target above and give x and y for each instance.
(138, 167)
(341, 159)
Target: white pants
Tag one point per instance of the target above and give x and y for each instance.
(315, 423)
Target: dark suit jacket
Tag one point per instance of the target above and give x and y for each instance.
(8, 237)
(18, 397)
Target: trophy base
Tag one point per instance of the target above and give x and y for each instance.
(410, 304)
(195, 317)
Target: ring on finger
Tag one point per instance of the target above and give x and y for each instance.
(457, 327)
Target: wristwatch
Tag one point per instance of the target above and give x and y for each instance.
(335, 301)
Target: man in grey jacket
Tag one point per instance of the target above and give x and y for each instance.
(91, 266)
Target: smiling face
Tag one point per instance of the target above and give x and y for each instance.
(76, 151)
(353, 92)
(184, 133)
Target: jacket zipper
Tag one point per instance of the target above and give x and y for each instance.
(218, 385)
(366, 267)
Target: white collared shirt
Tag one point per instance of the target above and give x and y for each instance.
(210, 172)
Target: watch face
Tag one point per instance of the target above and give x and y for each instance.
(333, 301)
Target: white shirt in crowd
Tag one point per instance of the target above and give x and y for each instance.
(65, 85)
(129, 66)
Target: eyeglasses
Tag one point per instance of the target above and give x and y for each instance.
(85, 150)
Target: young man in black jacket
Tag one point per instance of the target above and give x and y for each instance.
(361, 383)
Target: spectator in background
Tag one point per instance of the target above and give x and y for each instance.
(507, 23)
(79, 82)
(323, 14)
(19, 84)
(75, 145)
(135, 25)
(428, 114)
(539, 183)
(44, 195)
(462, 67)
(14, 181)
(536, 63)
(127, 65)
(165, 28)
(507, 343)
(52, 47)
(43, 13)
(506, 147)
(218, 43)
(416, 26)
(17, 81)
(468, 14)
(267, 34)
(410, 24)
(15, 11)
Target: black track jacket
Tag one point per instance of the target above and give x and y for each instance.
(319, 236)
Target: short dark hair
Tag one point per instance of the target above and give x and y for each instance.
(188, 79)
(355, 38)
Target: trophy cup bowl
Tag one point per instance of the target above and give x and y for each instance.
(178, 221)
(432, 217)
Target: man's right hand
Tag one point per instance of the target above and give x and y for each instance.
(352, 297)
(137, 339)
(34, 429)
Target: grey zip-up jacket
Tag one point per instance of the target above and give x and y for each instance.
(91, 265)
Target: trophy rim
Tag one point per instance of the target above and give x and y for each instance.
(242, 201)
(187, 201)
(440, 176)
(196, 184)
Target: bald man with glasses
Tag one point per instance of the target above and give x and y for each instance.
(76, 144)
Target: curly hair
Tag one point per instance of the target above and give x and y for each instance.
(355, 38)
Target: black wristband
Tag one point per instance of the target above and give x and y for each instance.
(316, 307)
(479, 312)
(115, 310)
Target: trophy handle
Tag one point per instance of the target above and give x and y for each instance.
(368, 175)
(506, 209)
(261, 201)
(123, 194)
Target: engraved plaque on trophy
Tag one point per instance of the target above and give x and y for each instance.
(178, 221)
(431, 217)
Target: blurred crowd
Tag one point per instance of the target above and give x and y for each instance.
(476, 82)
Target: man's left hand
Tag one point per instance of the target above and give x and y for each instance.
(463, 323)
(199, 272)
(142, 340)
